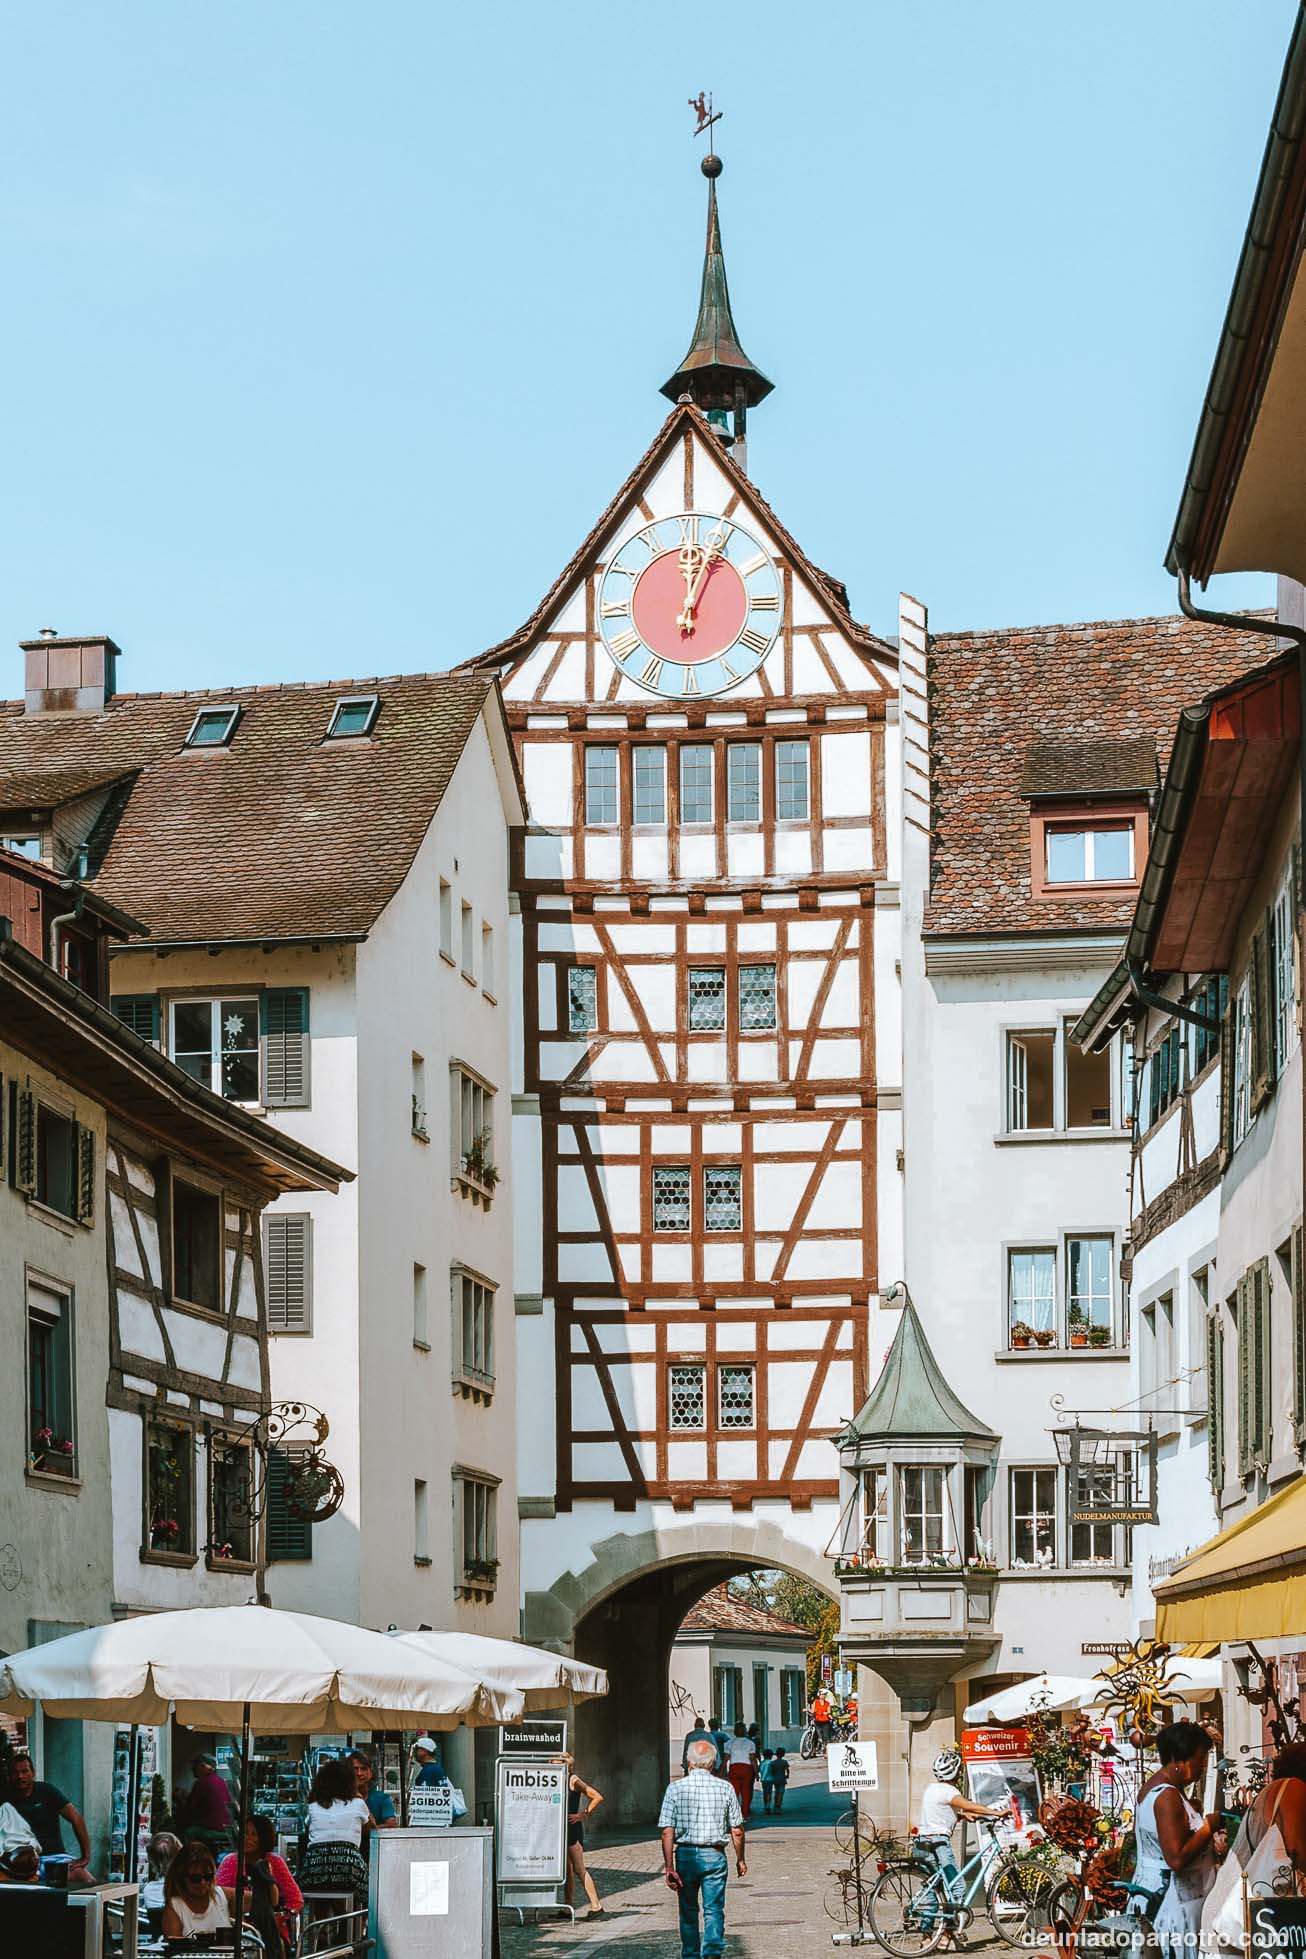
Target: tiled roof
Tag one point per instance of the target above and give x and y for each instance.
(721, 1611)
(50, 788)
(280, 835)
(992, 694)
(1090, 768)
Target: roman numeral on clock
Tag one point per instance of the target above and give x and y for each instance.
(765, 602)
(755, 642)
(624, 643)
(754, 564)
(619, 608)
(652, 543)
(652, 672)
(690, 684)
(688, 529)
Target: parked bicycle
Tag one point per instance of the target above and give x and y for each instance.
(914, 1905)
(813, 1742)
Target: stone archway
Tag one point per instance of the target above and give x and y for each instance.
(621, 1612)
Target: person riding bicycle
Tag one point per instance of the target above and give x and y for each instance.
(821, 1712)
(942, 1804)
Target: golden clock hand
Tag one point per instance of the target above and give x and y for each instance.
(690, 561)
(686, 618)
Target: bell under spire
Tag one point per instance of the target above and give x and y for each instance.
(716, 373)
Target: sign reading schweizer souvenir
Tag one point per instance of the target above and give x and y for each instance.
(690, 605)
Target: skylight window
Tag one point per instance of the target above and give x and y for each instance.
(353, 716)
(213, 727)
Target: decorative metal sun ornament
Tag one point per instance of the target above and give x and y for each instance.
(1137, 1684)
(291, 1434)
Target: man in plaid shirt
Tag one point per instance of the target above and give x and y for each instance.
(698, 1813)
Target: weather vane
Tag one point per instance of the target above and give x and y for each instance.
(701, 104)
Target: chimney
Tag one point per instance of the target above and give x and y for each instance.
(69, 676)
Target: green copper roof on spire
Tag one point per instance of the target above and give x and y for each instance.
(911, 1397)
(716, 369)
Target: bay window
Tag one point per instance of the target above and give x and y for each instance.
(922, 1495)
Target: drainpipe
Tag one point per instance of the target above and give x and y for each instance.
(57, 925)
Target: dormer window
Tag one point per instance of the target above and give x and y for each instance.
(27, 845)
(1081, 853)
(213, 727)
(353, 716)
(1088, 813)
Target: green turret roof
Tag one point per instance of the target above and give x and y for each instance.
(911, 1397)
(716, 366)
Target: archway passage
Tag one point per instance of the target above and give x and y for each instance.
(622, 1742)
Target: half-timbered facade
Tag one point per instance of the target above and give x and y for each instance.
(702, 728)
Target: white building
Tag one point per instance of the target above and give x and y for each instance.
(734, 1661)
(322, 871)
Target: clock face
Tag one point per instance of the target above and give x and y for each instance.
(690, 605)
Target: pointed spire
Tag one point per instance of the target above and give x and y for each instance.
(911, 1397)
(716, 373)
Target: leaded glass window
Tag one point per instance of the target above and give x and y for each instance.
(756, 998)
(744, 782)
(791, 795)
(707, 998)
(650, 785)
(696, 783)
(687, 1398)
(735, 1397)
(722, 1197)
(601, 791)
(582, 1000)
(670, 1197)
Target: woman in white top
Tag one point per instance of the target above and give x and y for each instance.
(942, 1805)
(741, 1766)
(192, 1899)
(338, 1821)
(1178, 1847)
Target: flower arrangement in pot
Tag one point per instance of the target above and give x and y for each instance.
(52, 1453)
(1078, 1327)
(1099, 1336)
(164, 1533)
(477, 1163)
(1021, 1334)
(481, 1571)
(1045, 1336)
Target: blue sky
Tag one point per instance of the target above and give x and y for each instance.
(330, 329)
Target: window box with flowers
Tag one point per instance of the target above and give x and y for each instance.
(478, 1167)
(51, 1454)
(169, 1492)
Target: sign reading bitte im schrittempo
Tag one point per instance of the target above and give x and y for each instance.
(852, 1766)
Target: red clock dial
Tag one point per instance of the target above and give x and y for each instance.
(689, 606)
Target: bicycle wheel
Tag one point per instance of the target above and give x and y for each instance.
(1063, 1907)
(807, 1746)
(907, 1919)
(1018, 1901)
(867, 1835)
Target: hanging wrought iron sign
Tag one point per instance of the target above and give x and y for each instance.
(1112, 1475)
(281, 1451)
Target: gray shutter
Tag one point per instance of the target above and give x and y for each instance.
(286, 1048)
(25, 1140)
(1263, 1421)
(1243, 1295)
(140, 1012)
(288, 1262)
(1215, 1402)
(84, 1194)
(1262, 1042)
(1226, 1082)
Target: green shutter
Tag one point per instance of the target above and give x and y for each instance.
(84, 1168)
(286, 1047)
(289, 1537)
(1215, 1402)
(288, 1264)
(1262, 1420)
(1258, 1003)
(1244, 1293)
(25, 1140)
(1226, 1083)
(140, 1012)
(1298, 1339)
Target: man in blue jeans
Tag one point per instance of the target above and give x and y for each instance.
(698, 1814)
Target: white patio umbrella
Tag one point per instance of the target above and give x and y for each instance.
(545, 1679)
(224, 1667)
(1055, 1691)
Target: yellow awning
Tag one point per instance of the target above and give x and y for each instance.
(1247, 1583)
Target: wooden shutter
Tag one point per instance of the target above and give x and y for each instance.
(286, 1048)
(1243, 1295)
(25, 1140)
(1226, 1082)
(1258, 1005)
(288, 1262)
(1215, 1402)
(84, 1170)
(140, 1012)
(1262, 1419)
(1298, 1338)
(289, 1537)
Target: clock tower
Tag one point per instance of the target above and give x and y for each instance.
(705, 1156)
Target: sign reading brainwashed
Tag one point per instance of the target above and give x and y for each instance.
(852, 1765)
(1278, 1924)
(1000, 1769)
(430, 1806)
(528, 1738)
(531, 1815)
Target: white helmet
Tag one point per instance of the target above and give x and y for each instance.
(946, 1766)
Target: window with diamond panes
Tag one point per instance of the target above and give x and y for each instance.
(756, 998)
(744, 782)
(722, 1197)
(707, 998)
(601, 791)
(582, 1000)
(791, 797)
(735, 1397)
(650, 785)
(687, 1397)
(670, 1198)
(696, 783)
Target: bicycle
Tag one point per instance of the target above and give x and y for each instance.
(914, 1905)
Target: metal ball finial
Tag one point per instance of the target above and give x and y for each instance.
(711, 166)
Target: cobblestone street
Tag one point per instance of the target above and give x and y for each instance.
(777, 1912)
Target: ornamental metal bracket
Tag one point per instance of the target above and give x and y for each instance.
(282, 1446)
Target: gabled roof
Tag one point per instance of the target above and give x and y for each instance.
(1123, 766)
(51, 788)
(280, 835)
(911, 1399)
(720, 1611)
(684, 417)
(991, 695)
